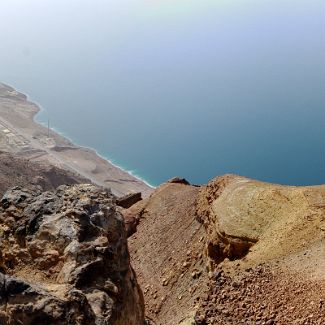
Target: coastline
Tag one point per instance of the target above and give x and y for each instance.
(54, 130)
(21, 133)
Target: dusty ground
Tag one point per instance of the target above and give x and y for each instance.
(167, 254)
(263, 295)
(20, 134)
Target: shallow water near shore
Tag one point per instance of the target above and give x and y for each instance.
(183, 88)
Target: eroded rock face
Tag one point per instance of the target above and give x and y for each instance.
(220, 243)
(266, 249)
(64, 259)
(268, 221)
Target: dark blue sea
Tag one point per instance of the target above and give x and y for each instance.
(183, 87)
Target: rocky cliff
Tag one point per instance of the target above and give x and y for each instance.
(64, 259)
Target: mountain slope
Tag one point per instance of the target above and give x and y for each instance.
(167, 253)
(266, 249)
(17, 171)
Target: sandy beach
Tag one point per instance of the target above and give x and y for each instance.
(20, 134)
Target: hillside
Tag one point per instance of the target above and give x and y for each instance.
(167, 253)
(265, 245)
(21, 134)
(17, 171)
(236, 251)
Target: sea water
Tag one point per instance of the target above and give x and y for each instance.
(183, 87)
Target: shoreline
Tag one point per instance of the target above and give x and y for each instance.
(95, 151)
(18, 113)
(61, 133)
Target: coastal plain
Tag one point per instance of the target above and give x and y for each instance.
(21, 135)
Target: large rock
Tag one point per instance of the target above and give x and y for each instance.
(64, 259)
(128, 200)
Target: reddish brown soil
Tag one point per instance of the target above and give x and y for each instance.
(167, 253)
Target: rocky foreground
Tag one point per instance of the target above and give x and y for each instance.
(236, 251)
(64, 259)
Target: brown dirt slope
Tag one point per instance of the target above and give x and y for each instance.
(17, 171)
(167, 254)
(266, 249)
(263, 295)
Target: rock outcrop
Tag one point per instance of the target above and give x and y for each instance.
(178, 180)
(128, 200)
(64, 259)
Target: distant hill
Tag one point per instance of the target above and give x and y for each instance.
(17, 171)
